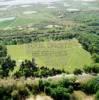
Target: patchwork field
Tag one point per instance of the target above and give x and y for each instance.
(34, 12)
(66, 55)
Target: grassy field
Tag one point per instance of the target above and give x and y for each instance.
(66, 55)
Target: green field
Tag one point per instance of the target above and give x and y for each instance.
(28, 20)
(66, 55)
(56, 13)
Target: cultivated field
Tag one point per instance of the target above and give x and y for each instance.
(66, 55)
(15, 14)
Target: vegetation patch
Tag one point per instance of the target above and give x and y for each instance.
(66, 55)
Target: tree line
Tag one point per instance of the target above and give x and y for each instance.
(27, 68)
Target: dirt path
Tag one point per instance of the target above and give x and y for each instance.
(39, 97)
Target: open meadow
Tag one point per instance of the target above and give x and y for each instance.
(66, 55)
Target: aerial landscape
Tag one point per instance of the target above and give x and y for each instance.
(49, 49)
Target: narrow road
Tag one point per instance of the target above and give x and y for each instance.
(81, 78)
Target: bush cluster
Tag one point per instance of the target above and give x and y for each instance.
(29, 69)
(11, 89)
(92, 86)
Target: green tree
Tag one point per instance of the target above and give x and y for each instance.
(27, 68)
(3, 53)
(7, 66)
(95, 57)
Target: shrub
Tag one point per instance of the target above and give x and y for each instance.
(60, 93)
(78, 71)
(97, 96)
(7, 66)
(15, 95)
(94, 68)
(58, 90)
(92, 86)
